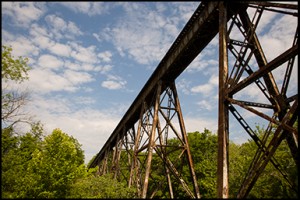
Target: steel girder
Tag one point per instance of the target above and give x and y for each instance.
(242, 67)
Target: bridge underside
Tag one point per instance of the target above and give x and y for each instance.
(143, 137)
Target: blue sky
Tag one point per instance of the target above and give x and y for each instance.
(90, 60)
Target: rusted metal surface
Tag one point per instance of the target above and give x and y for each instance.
(223, 131)
(142, 135)
(284, 111)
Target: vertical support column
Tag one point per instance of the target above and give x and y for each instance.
(133, 158)
(164, 153)
(222, 172)
(184, 137)
(134, 173)
(103, 165)
(151, 141)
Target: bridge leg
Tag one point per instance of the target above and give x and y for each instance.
(223, 131)
(152, 151)
(151, 141)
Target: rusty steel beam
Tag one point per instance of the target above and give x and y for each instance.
(279, 135)
(223, 132)
(151, 143)
(280, 104)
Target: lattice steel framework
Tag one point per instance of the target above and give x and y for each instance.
(143, 138)
(250, 69)
(132, 157)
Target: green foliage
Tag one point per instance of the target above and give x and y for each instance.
(38, 166)
(103, 186)
(56, 165)
(16, 156)
(11, 68)
(204, 149)
(34, 166)
(270, 184)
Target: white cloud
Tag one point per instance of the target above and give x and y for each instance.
(50, 62)
(199, 124)
(85, 100)
(204, 89)
(145, 38)
(206, 62)
(89, 8)
(60, 49)
(83, 54)
(37, 30)
(279, 37)
(113, 82)
(23, 13)
(206, 105)
(23, 47)
(266, 20)
(104, 69)
(112, 85)
(41, 37)
(46, 81)
(77, 78)
(184, 86)
(208, 88)
(6, 36)
(105, 56)
(62, 29)
(98, 38)
(43, 42)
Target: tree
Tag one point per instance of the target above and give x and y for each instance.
(93, 186)
(57, 164)
(271, 183)
(40, 167)
(16, 156)
(204, 149)
(13, 71)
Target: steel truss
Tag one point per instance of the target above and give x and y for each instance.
(139, 149)
(282, 106)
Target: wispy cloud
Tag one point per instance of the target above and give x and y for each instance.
(61, 28)
(88, 8)
(144, 38)
(23, 13)
(113, 82)
(208, 88)
(50, 62)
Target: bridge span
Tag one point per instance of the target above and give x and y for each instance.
(142, 136)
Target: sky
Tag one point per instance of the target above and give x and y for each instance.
(89, 61)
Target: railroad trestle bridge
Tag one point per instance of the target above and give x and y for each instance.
(155, 115)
